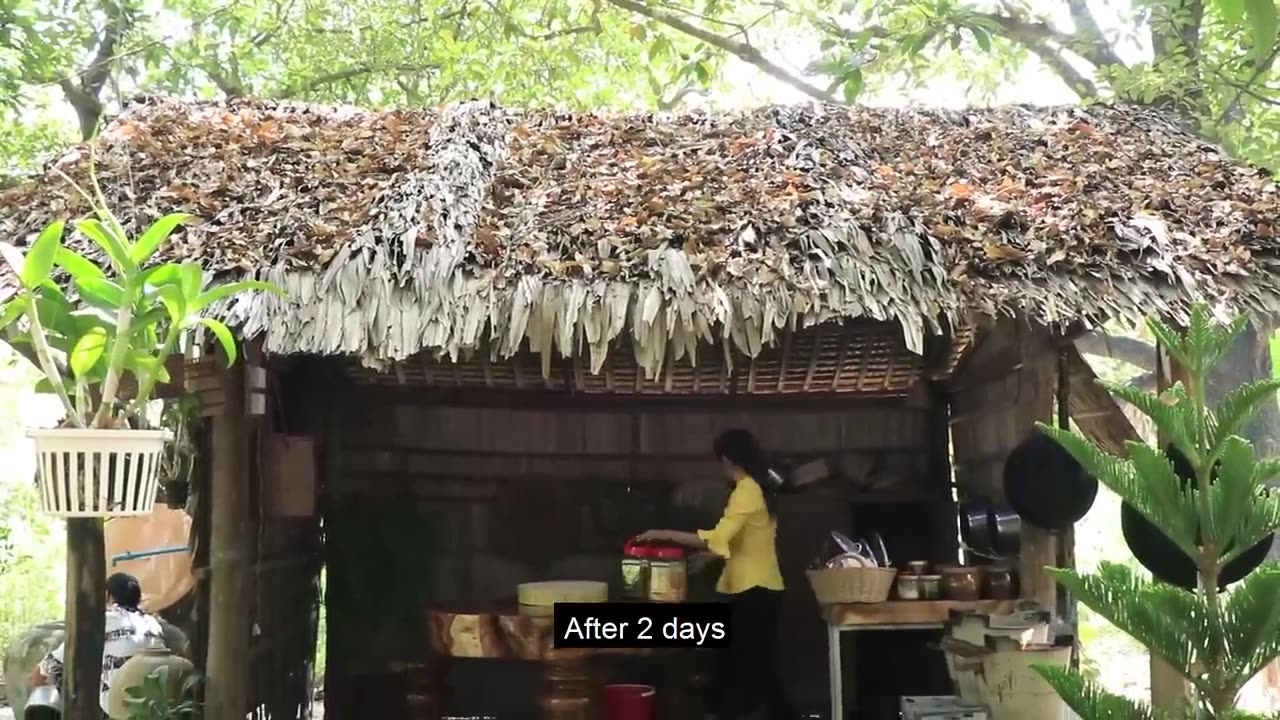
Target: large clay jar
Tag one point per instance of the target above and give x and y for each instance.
(136, 670)
(175, 639)
(23, 654)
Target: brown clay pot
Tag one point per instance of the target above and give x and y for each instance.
(568, 692)
(961, 584)
(1000, 583)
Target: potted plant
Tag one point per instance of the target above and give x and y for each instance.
(123, 318)
(1216, 640)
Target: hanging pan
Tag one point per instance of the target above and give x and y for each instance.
(1158, 554)
(1045, 485)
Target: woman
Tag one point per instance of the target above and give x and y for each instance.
(746, 678)
(129, 631)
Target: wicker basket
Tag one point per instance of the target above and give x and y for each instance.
(833, 586)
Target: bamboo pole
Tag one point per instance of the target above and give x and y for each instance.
(227, 669)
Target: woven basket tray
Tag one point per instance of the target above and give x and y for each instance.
(833, 586)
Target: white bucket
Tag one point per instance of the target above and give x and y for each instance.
(98, 473)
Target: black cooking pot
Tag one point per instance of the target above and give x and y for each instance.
(1158, 554)
(1045, 485)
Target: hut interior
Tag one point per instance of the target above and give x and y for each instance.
(508, 338)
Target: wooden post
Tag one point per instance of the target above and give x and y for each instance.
(231, 539)
(86, 608)
(1035, 403)
(1169, 690)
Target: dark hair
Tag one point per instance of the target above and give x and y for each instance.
(125, 591)
(741, 448)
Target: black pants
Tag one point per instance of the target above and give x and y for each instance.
(746, 677)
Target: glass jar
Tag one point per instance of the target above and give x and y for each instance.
(635, 572)
(668, 575)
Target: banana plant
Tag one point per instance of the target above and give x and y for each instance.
(87, 324)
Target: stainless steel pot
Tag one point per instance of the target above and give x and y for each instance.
(1007, 531)
(975, 527)
(44, 703)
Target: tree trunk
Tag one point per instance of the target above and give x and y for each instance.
(86, 608)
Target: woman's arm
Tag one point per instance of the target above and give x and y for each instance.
(688, 539)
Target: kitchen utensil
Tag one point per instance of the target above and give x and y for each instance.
(975, 528)
(908, 587)
(668, 575)
(1007, 526)
(930, 587)
(44, 703)
(918, 567)
(1045, 485)
(878, 544)
(845, 543)
(1158, 554)
(849, 560)
(999, 583)
(961, 583)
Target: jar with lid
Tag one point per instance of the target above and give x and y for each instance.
(635, 571)
(668, 575)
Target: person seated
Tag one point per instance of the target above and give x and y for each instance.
(129, 631)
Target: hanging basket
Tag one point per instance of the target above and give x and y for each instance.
(98, 473)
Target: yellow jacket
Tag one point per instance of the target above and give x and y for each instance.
(746, 538)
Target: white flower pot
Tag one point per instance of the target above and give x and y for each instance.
(98, 473)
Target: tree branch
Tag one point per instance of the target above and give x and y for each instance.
(1094, 45)
(347, 74)
(741, 50)
(1036, 37)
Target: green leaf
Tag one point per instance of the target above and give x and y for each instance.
(982, 37)
(192, 282)
(101, 293)
(106, 239)
(88, 351)
(39, 260)
(156, 235)
(1262, 24)
(1251, 622)
(1232, 10)
(853, 85)
(167, 274)
(1089, 700)
(225, 338)
(221, 292)
(12, 310)
(77, 265)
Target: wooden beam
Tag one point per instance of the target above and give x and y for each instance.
(227, 690)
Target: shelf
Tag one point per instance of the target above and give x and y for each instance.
(909, 612)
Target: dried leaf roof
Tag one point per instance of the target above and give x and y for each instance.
(478, 226)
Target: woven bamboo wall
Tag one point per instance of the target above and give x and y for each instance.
(856, 358)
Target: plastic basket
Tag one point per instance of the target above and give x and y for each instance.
(834, 586)
(98, 473)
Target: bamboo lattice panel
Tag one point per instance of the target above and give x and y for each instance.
(858, 358)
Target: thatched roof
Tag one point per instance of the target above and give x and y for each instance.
(475, 227)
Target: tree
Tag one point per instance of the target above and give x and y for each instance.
(1217, 641)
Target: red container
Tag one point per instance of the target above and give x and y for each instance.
(628, 702)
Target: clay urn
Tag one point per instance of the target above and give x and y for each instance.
(136, 670)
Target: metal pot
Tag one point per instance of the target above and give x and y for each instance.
(44, 703)
(1046, 485)
(975, 527)
(1007, 531)
(1158, 554)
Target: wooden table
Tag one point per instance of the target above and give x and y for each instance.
(890, 615)
(570, 690)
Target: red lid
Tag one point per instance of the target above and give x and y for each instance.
(669, 553)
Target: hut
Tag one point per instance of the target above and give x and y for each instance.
(511, 335)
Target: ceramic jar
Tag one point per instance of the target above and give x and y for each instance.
(961, 583)
(136, 670)
(1000, 583)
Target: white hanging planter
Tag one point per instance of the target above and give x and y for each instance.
(98, 473)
